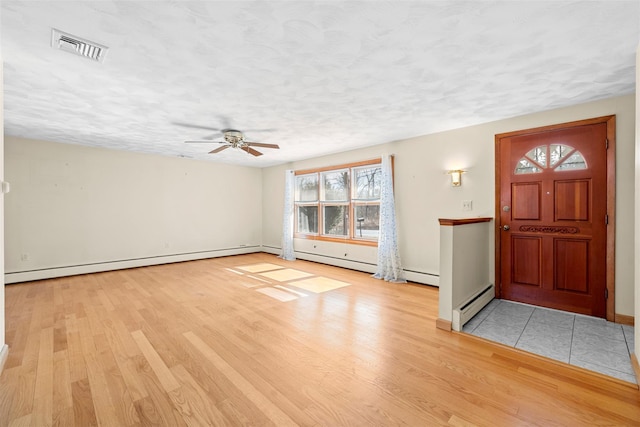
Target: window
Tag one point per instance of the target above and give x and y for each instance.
(339, 203)
(560, 158)
(306, 197)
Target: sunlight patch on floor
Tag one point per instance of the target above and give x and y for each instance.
(319, 284)
(251, 284)
(259, 268)
(286, 275)
(265, 273)
(284, 288)
(258, 278)
(277, 294)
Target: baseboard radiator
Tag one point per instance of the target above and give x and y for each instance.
(471, 307)
(97, 267)
(430, 279)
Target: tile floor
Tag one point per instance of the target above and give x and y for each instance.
(584, 341)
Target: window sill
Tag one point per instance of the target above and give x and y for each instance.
(337, 240)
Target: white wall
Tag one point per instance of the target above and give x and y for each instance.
(637, 206)
(3, 348)
(75, 209)
(424, 194)
(465, 270)
(470, 248)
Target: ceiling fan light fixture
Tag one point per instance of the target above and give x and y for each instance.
(233, 136)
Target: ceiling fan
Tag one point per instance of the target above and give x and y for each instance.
(232, 138)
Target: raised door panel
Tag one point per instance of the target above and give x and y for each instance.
(572, 200)
(571, 258)
(526, 260)
(525, 200)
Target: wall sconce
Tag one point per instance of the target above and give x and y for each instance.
(456, 177)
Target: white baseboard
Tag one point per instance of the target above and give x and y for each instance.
(49, 273)
(4, 354)
(424, 278)
(338, 262)
(271, 250)
(413, 276)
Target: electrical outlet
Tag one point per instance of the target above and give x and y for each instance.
(467, 205)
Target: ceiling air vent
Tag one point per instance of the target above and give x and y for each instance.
(79, 46)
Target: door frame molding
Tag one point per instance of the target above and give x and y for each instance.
(611, 200)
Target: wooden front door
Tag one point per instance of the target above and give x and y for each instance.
(552, 188)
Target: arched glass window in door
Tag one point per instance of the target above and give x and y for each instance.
(558, 157)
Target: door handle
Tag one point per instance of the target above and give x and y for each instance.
(506, 228)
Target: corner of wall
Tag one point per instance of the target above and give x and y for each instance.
(637, 207)
(4, 354)
(3, 347)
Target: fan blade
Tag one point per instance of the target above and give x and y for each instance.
(204, 141)
(214, 136)
(189, 125)
(219, 149)
(251, 151)
(225, 121)
(260, 130)
(260, 144)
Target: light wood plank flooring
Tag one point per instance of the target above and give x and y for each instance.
(196, 343)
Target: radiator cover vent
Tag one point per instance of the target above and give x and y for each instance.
(77, 45)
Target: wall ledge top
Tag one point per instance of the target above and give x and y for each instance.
(463, 221)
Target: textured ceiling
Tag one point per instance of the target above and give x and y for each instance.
(315, 77)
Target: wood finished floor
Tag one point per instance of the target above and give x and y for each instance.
(195, 344)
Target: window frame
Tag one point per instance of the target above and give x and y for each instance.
(547, 162)
(351, 236)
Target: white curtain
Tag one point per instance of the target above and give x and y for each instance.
(287, 220)
(389, 266)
